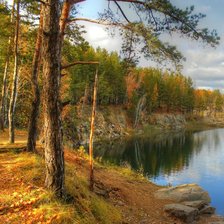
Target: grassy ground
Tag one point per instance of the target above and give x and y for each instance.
(24, 200)
(120, 195)
(117, 196)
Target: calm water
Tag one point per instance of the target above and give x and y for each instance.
(175, 158)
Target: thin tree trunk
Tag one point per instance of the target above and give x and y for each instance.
(84, 98)
(32, 131)
(15, 80)
(3, 108)
(6, 106)
(54, 155)
(91, 176)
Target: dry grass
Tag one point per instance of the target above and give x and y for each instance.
(24, 200)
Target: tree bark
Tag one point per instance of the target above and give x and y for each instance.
(15, 80)
(5, 77)
(32, 130)
(91, 176)
(64, 17)
(54, 155)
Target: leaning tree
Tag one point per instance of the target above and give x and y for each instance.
(148, 20)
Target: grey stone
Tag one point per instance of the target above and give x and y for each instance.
(144, 221)
(195, 204)
(185, 192)
(207, 210)
(120, 203)
(219, 222)
(186, 213)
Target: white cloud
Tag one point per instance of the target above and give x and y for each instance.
(97, 36)
(205, 67)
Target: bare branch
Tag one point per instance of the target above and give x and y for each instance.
(130, 1)
(136, 11)
(161, 11)
(122, 12)
(76, 1)
(153, 18)
(94, 21)
(42, 2)
(103, 23)
(80, 63)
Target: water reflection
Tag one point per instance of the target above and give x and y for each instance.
(165, 153)
(174, 158)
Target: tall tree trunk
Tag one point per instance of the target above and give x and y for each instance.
(54, 155)
(15, 80)
(91, 176)
(64, 17)
(32, 131)
(5, 77)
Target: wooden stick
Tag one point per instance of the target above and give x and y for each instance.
(79, 63)
(92, 131)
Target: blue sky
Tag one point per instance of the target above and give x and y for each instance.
(205, 65)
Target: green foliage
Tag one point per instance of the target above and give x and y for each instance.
(153, 18)
(111, 75)
(5, 28)
(207, 100)
(103, 212)
(164, 91)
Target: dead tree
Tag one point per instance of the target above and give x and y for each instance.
(91, 175)
(5, 77)
(14, 92)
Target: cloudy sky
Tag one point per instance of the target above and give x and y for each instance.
(205, 65)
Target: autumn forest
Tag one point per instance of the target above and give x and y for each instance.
(52, 79)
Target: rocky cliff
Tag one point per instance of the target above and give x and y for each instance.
(113, 122)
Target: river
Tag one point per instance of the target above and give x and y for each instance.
(173, 159)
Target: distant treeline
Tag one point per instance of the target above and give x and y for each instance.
(122, 85)
(148, 89)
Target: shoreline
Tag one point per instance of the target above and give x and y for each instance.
(129, 192)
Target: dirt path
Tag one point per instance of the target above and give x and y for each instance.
(135, 198)
(133, 195)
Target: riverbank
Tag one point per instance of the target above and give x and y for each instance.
(120, 195)
(117, 197)
(114, 122)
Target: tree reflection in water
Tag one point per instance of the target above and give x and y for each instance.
(164, 154)
(175, 158)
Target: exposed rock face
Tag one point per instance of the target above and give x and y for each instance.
(195, 204)
(168, 121)
(218, 222)
(207, 210)
(191, 202)
(186, 213)
(112, 123)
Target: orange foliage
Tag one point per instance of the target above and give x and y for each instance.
(132, 83)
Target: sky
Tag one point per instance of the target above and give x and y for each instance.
(204, 64)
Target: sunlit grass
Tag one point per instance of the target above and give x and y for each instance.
(26, 200)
